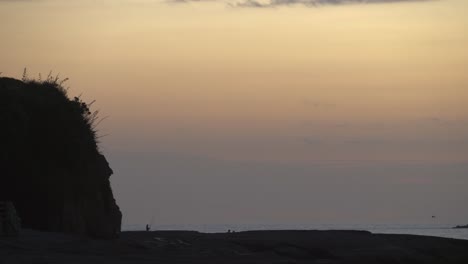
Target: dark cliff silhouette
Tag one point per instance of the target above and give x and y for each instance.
(50, 164)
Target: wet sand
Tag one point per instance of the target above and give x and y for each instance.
(242, 247)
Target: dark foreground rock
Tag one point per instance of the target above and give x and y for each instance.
(50, 164)
(10, 224)
(334, 247)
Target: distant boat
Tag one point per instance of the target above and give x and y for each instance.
(461, 226)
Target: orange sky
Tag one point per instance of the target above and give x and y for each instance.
(249, 74)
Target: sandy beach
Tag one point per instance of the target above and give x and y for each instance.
(241, 247)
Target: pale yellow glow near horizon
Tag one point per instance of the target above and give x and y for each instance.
(259, 83)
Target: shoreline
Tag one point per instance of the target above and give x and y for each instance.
(435, 230)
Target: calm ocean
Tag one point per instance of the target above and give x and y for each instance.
(438, 230)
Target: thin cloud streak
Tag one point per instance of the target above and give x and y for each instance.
(307, 3)
(314, 3)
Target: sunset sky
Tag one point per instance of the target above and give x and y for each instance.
(283, 111)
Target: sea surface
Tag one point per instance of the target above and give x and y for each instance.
(437, 230)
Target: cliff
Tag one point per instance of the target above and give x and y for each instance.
(50, 164)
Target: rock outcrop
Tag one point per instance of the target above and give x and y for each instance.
(50, 164)
(10, 223)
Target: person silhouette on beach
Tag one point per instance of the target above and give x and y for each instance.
(148, 228)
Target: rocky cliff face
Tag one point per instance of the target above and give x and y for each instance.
(50, 165)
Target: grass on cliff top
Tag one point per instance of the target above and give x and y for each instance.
(54, 84)
(42, 125)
